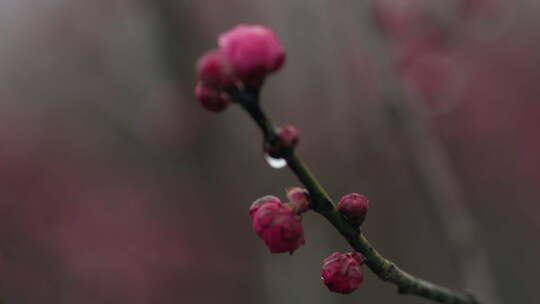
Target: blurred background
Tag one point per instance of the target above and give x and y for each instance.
(117, 187)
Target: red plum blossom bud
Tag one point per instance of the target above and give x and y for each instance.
(211, 99)
(277, 225)
(355, 207)
(269, 199)
(214, 70)
(298, 198)
(341, 272)
(287, 139)
(253, 51)
(288, 136)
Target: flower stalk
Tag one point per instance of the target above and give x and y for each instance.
(321, 203)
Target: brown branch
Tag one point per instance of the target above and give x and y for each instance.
(321, 203)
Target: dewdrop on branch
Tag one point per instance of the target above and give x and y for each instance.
(355, 207)
(341, 272)
(277, 224)
(275, 163)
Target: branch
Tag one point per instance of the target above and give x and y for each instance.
(321, 203)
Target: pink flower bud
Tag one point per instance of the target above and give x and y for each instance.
(277, 225)
(214, 70)
(341, 272)
(298, 198)
(253, 51)
(355, 207)
(211, 99)
(288, 136)
(269, 199)
(287, 139)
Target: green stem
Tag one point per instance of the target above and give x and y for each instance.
(322, 204)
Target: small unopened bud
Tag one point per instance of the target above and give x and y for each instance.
(253, 51)
(214, 70)
(355, 207)
(287, 139)
(341, 272)
(211, 99)
(299, 199)
(277, 225)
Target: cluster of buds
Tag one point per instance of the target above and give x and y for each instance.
(246, 55)
(279, 225)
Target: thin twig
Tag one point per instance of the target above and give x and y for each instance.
(323, 204)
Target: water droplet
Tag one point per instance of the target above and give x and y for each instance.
(276, 163)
